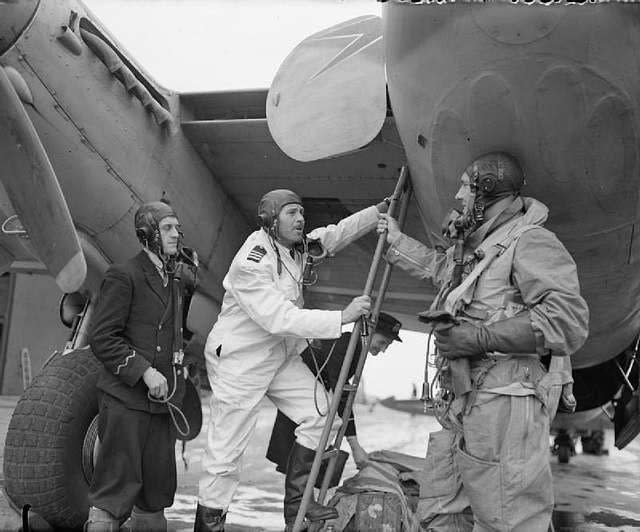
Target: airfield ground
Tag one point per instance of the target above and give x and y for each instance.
(592, 493)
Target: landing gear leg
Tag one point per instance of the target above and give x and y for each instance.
(563, 447)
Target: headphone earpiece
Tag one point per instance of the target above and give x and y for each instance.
(487, 184)
(263, 220)
(268, 221)
(143, 235)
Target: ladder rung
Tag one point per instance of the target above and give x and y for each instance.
(349, 388)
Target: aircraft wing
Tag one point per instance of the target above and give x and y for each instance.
(229, 130)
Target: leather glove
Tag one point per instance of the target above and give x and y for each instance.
(513, 335)
(458, 341)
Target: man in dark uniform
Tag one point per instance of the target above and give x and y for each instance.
(326, 360)
(138, 338)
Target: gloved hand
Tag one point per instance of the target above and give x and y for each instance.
(513, 335)
(463, 340)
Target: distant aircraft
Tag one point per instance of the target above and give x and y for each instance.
(86, 136)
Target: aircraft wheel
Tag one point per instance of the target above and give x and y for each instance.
(51, 440)
(563, 447)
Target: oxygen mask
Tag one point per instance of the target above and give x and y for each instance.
(315, 253)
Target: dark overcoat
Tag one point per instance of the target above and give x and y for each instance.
(133, 329)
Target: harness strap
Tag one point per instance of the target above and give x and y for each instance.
(490, 253)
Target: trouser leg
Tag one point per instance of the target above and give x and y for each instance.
(292, 391)
(159, 475)
(504, 463)
(281, 441)
(117, 477)
(239, 382)
(158, 466)
(443, 504)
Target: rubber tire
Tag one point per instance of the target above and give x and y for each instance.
(44, 445)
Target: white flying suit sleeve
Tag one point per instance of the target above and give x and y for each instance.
(336, 237)
(254, 289)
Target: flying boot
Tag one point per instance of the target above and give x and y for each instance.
(209, 519)
(298, 470)
(143, 521)
(101, 521)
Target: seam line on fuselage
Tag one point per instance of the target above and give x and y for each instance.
(79, 130)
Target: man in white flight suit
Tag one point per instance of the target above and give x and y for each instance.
(253, 350)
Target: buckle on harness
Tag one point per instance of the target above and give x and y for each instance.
(178, 357)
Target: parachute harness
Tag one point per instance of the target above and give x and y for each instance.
(438, 392)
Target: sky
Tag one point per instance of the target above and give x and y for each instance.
(204, 45)
(207, 45)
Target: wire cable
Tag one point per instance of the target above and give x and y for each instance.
(318, 377)
(172, 408)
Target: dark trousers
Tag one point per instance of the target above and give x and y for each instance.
(136, 463)
(281, 442)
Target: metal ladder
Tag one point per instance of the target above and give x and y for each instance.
(401, 196)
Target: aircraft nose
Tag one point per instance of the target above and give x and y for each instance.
(15, 16)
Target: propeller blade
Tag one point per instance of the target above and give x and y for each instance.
(34, 191)
(329, 96)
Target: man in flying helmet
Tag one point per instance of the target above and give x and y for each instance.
(147, 223)
(510, 296)
(489, 180)
(137, 335)
(253, 351)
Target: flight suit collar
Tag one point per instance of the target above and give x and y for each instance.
(511, 207)
(283, 251)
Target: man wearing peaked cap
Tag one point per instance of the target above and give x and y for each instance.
(329, 355)
(253, 350)
(389, 327)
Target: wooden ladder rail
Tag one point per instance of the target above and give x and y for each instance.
(384, 284)
(360, 327)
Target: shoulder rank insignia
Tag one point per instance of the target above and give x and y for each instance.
(256, 254)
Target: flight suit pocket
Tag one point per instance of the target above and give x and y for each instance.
(482, 480)
(440, 476)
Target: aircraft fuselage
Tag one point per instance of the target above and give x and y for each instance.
(557, 86)
(113, 137)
